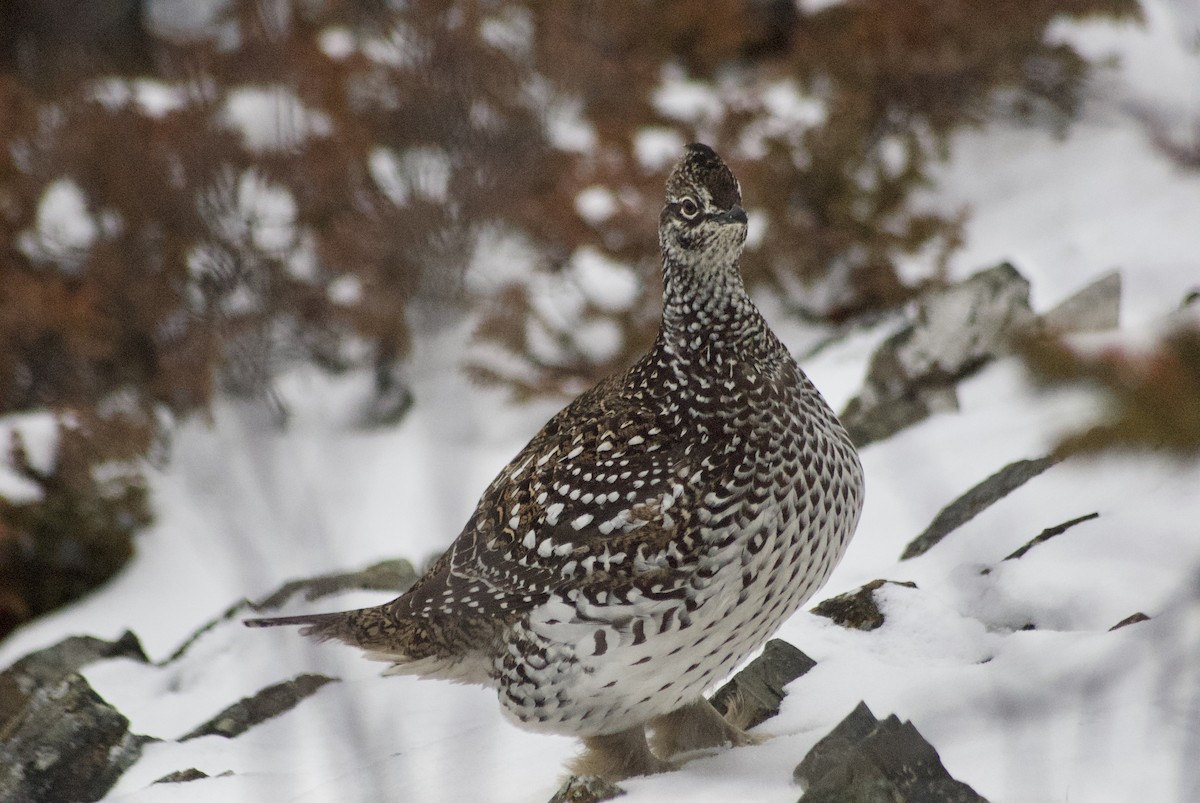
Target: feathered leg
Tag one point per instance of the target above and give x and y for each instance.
(615, 756)
(696, 726)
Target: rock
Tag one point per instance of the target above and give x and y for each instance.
(831, 752)
(1048, 533)
(975, 501)
(857, 609)
(59, 740)
(863, 759)
(183, 776)
(65, 744)
(955, 332)
(392, 397)
(1095, 308)
(586, 789)
(53, 663)
(268, 703)
(388, 575)
(1130, 620)
(753, 695)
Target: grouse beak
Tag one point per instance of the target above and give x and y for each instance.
(734, 215)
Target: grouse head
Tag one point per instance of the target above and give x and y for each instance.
(703, 223)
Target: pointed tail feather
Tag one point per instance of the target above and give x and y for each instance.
(322, 626)
(406, 645)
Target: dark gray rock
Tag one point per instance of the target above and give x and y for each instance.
(829, 754)
(975, 501)
(389, 575)
(864, 759)
(857, 609)
(1048, 533)
(1095, 308)
(753, 695)
(65, 744)
(268, 703)
(586, 789)
(39, 668)
(183, 776)
(59, 740)
(1132, 619)
(955, 332)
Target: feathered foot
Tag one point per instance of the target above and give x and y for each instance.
(615, 756)
(697, 726)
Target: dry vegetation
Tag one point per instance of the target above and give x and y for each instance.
(1152, 394)
(214, 245)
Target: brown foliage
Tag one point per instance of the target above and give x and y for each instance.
(1153, 398)
(884, 85)
(297, 181)
(79, 533)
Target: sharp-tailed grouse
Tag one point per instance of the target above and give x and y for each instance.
(652, 534)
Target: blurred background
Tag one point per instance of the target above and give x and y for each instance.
(284, 282)
(196, 196)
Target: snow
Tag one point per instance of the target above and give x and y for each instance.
(65, 229)
(402, 47)
(268, 211)
(272, 118)
(337, 43)
(610, 285)
(153, 98)
(511, 31)
(347, 290)
(680, 98)
(184, 20)
(1066, 711)
(421, 171)
(790, 114)
(595, 204)
(566, 126)
(38, 434)
(657, 148)
(1112, 201)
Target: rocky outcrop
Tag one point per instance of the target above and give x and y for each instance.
(389, 575)
(857, 609)
(955, 331)
(754, 694)
(59, 740)
(1048, 533)
(864, 758)
(586, 789)
(1095, 308)
(975, 501)
(1132, 619)
(267, 704)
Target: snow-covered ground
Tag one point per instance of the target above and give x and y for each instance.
(1065, 711)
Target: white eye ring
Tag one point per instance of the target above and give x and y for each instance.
(689, 209)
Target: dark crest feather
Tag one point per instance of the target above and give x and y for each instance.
(708, 169)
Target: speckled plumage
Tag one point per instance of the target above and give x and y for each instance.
(653, 533)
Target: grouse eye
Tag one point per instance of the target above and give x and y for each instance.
(689, 209)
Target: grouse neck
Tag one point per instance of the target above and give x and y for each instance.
(708, 311)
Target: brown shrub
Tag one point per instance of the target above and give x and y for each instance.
(188, 210)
